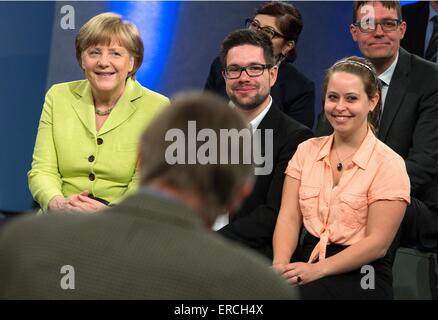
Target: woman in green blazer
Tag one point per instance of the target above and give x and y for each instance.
(86, 147)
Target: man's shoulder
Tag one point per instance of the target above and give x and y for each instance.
(417, 64)
(33, 227)
(292, 127)
(240, 266)
(287, 132)
(423, 66)
(415, 73)
(212, 266)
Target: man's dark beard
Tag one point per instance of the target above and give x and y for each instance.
(258, 99)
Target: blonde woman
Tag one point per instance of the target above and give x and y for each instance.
(85, 155)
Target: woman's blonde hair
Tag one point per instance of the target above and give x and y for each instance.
(106, 28)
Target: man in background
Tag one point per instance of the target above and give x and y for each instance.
(293, 92)
(421, 37)
(409, 117)
(250, 71)
(155, 244)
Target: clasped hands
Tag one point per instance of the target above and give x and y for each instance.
(77, 202)
(297, 273)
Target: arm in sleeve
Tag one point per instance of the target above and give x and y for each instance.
(44, 177)
(391, 182)
(422, 159)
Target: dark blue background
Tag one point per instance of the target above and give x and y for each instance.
(181, 39)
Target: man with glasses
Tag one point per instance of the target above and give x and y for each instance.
(249, 71)
(409, 119)
(293, 93)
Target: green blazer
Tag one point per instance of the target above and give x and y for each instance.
(70, 156)
(147, 247)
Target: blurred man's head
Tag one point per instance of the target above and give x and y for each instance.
(378, 29)
(217, 187)
(249, 68)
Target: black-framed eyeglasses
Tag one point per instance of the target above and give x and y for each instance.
(234, 71)
(253, 24)
(370, 25)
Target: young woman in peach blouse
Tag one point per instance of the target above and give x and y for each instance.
(350, 192)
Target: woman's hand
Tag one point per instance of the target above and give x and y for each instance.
(78, 202)
(58, 203)
(280, 268)
(297, 273)
(83, 203)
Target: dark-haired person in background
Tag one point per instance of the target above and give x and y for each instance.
(421, 37)
(250, 72)
(293, 93)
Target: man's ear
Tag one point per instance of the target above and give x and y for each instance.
(273, 73)
(353, 31)
(402, 29)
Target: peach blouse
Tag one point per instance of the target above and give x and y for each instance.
(339, 214)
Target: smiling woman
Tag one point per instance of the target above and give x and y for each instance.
(78, 163)
(349, 191)
(106, 67)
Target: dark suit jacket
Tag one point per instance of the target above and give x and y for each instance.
(148, 247)
(253, 224)
(415, 15)
(293, 93)
(409, 125)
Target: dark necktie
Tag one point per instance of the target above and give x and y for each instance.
(432, 49)
(382, 85)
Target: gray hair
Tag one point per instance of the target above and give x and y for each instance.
(215, 183)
